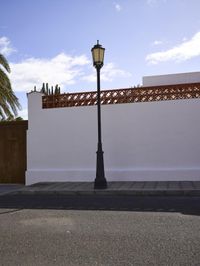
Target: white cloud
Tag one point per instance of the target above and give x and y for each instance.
(5, 46)
(156, 42)
(153, 2)
(108, 73)
(62, 69)
(182, 52)
(23, 113)
(117, 7)
(150, 2)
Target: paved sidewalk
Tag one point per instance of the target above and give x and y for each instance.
(169, 188)
(8, 188)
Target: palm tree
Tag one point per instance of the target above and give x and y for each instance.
(8, 101)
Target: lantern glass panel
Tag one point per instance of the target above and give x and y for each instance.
(98, 55)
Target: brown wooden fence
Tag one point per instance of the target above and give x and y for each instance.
(13, 151)
(130, 95)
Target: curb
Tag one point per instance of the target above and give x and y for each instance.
(107, 192)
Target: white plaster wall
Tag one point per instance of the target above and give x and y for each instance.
(171, 79)
(156, 141)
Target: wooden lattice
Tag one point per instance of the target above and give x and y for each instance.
(131, 95)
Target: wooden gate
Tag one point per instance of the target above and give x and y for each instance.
(13, 151)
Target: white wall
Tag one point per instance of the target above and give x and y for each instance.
(141, 141)
(171, 79)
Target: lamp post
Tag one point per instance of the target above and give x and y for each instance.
(98, 57)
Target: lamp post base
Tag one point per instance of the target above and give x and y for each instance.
(100, 181)
(100, 185)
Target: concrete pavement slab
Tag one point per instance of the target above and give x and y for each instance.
(170, 188)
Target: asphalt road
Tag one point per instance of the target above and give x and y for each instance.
(99, 231)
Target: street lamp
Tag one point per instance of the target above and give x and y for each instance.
(98, 57)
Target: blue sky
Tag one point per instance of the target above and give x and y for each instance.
(51, 41)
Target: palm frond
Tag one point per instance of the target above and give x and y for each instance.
(4, 63)
(9, 103)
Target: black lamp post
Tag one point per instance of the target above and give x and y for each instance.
(98, 57)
